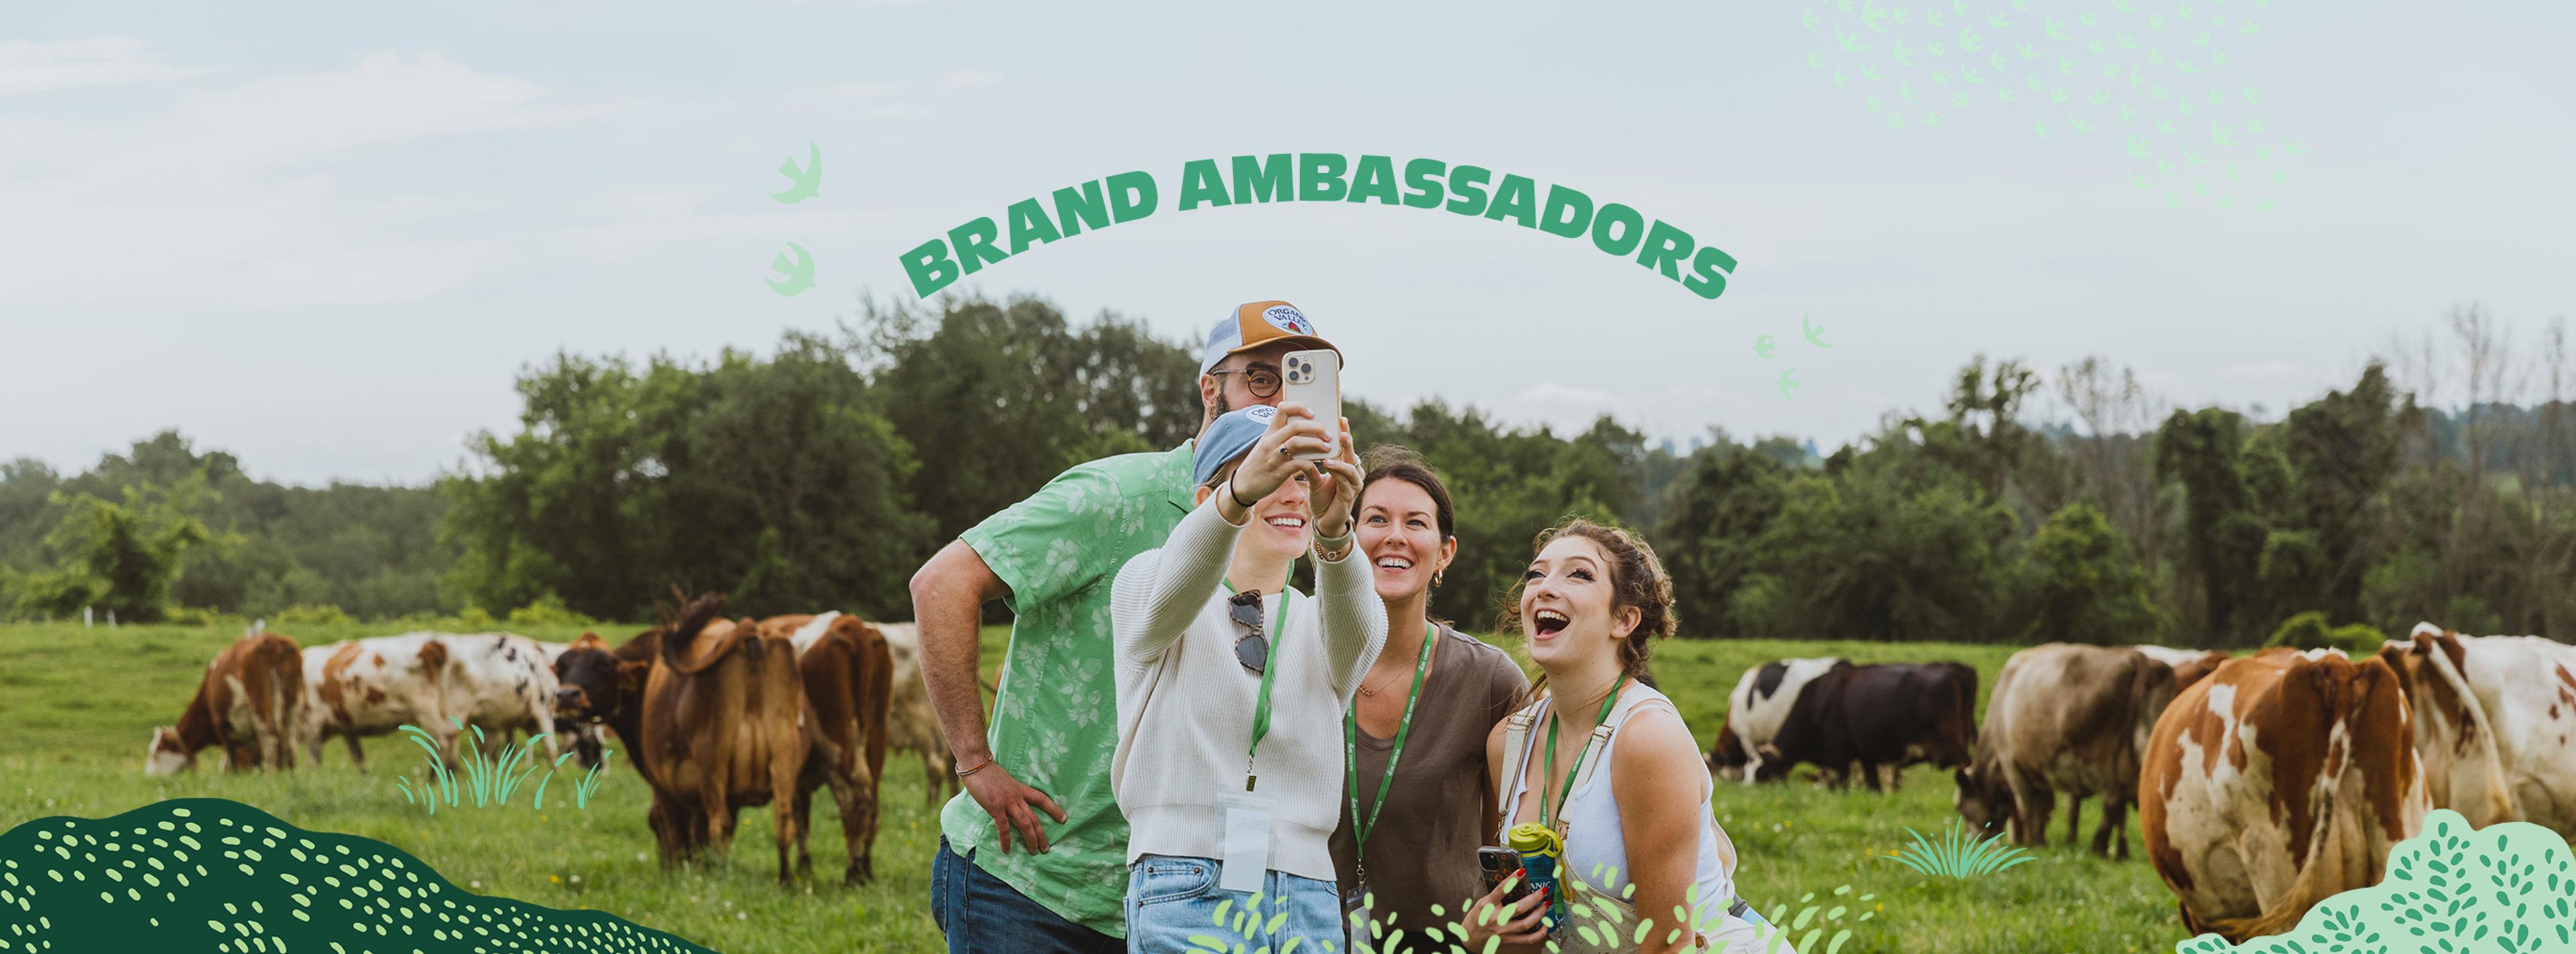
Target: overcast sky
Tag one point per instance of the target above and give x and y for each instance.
(327, 239)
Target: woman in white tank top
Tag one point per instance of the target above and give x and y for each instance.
(1607, 762)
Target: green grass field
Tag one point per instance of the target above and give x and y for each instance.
(79, 706)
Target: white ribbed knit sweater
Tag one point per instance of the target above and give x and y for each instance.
(1185, 705)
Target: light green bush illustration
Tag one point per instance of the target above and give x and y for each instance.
(2509, 888)
(1592, 917)
(488, 780)
(1957, 855)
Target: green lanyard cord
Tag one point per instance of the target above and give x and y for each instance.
(1361, 826)
(1261, 708)
(1574, 771)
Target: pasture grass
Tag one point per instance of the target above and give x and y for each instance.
(77, 703)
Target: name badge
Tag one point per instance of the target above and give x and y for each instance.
(1362, 921)
(1247, 841)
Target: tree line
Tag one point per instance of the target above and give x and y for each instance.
(2067, 504)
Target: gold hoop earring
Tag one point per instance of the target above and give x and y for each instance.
(1435, 578)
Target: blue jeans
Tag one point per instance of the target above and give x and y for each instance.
(982, 913)
(1169, 899)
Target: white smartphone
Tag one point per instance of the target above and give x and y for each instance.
(1314, 379)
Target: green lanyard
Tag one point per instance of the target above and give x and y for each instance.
(1576, 770)
(1261, 708)
(1361, 826)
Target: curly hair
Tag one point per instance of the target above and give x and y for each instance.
(1637, 581)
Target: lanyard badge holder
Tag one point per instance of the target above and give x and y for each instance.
(1358, 901)
(1245, 855)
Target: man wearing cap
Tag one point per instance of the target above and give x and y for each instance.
(1033, 852)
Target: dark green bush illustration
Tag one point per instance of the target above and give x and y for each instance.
(206, 874)
(2509, 888)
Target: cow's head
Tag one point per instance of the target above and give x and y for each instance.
(593, 684)
(1984, 801)
(1728, 758)
(168, 754)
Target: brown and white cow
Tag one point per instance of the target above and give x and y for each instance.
(2495, 723)
(2277, 782)
(2189, 665)
(2064, 718)
(250, 702)
(374, 686)
(848, 674)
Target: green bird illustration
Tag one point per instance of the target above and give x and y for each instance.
(799, 273)
(806, 181)
(1787, 386)
(1815, 332)
(1762, 346)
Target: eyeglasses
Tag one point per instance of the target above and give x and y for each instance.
(1261, 378)
(1252, 649)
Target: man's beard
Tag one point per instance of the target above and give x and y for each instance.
(1222, 405)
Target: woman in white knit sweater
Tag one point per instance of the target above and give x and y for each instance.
(1231, 689)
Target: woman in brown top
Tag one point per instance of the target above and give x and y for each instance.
(1422, 828)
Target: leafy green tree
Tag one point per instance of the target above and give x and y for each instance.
(2084, 586)
(119, 557)
(1862, 558)
(776, 480)
(1000, 397)
(2223, 543)
(1710, 539)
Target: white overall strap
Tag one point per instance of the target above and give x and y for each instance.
(1516, 731)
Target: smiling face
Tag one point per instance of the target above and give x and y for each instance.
(1399, 529)
(1282, 524)
(1569, 607)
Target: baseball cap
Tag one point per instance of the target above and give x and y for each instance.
(1231, 434)
(1258, 323)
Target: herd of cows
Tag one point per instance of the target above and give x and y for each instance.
(716, 715)
(2263, 784)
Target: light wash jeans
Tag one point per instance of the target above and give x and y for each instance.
(1171, 898)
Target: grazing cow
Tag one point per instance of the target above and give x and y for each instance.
(251, 702)
(848, 675)
(363, 687)
(2275, 783)
(2064, 718)
(374, 686)
(1754, 713)
(1891, 714)
(911, 724)
(715, 719)
(2494, 719)
(2189, 665)
(501, 683)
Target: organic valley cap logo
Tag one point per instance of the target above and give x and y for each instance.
(1287, 318)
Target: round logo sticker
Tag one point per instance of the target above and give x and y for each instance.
(1286, 318)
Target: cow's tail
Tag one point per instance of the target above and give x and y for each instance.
(684, 631)
(2339, 811)
(2511, 806)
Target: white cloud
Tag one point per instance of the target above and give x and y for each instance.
(969, 79)
(28, 67)
(246, 194)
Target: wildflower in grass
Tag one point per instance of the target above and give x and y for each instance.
(1957, 855)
